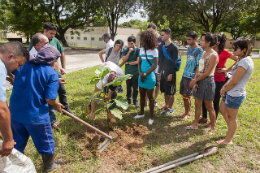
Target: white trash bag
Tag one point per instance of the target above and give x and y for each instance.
(16, 162)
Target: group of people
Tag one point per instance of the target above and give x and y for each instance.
(205, 75)
(37, 81)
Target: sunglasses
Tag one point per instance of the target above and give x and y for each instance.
(235, 48)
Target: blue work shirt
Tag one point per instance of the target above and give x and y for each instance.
(3, 74)
(32, 85)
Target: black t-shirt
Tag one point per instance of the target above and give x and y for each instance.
(166, 64)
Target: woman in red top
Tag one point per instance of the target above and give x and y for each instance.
(219, 75)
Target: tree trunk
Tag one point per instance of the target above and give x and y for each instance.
(27, 39)
(61, 37)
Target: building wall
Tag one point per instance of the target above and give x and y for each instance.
(84, 39)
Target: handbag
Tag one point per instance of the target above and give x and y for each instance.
(157, 75)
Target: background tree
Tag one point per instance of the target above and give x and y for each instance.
(115, 9)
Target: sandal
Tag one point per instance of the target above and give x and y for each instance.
(186, 117)
(191, 128)
(221, 142)
(210, 132)
(182, 115)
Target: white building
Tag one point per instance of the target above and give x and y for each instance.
(94, 39)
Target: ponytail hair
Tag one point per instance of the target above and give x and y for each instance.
(222, 41)
(210, 37)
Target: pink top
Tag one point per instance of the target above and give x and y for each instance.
(223, 56)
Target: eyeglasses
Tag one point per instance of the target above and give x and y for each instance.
(235, 48)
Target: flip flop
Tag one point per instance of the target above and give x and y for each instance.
(210, 132)
(186, 117)
(191, 128)
(182, 115)
(222, 143)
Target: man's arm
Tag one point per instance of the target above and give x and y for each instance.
(101, 55)
(57, 106)
(175, 59)
(134, 62)
(5, 128)
(63, 60)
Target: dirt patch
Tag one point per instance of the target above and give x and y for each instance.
(124, 149)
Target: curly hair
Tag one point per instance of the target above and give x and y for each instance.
(222, 41)
(149, 39)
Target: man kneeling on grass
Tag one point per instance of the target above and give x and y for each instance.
(115, 72)
(35, 86)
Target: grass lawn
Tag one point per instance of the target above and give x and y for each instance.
(166, 139)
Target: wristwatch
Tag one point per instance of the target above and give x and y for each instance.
(144, 74)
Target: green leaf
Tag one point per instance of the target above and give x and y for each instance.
(96, 111)
(93, 80)
(117, 113)
(96, 94)
(121, 102)
(119, 80)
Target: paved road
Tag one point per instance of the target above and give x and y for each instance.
(77, 60)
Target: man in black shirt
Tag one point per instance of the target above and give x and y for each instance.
(169, 56)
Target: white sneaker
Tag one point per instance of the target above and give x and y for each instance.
(139, 116)
(150, 121)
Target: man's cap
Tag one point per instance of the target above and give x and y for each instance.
(46, 55)
(112, 77)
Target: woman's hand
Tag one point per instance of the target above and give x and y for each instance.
(142, 77)
(195, 87)
(221, 70)
(192, 82)
(222, 92)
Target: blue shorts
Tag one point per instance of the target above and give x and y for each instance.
(41, 134)
(233, 102)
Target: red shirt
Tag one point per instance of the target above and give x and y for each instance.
(223, 56)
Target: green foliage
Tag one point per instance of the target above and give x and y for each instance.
(101, 96)
(115, 9)
(117, 113)
(121, 102)
(135, 23)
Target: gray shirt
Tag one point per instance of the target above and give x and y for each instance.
(240, 88)
(114, 57)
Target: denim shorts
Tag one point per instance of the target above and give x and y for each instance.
(234, 102)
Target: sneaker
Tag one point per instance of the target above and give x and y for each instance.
(203, 121)
(162, 109)
(167, 111)
(146, 105)
(155, 103)
(139, 116)
(136, 104)
(150, 122)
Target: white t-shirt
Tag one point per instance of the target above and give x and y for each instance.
(240, 88)
(113, 67)
(110, 43)
(33, 52)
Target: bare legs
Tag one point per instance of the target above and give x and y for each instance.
(187, 105)
(149, 93)
(209, 106)
(169, 99)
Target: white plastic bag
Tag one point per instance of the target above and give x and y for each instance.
(16, 162)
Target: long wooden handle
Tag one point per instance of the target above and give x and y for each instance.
(86, 124)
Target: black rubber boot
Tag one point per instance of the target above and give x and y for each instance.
(49, 164)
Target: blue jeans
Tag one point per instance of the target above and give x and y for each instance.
(41, 134)
(234, 102)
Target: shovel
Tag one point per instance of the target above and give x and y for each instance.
(102, 146)
(206, 152)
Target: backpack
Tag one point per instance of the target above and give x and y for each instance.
(109, 52)
(168, 56)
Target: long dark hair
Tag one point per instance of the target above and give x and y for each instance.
(244, 43)
(149, 39)
(222, 41)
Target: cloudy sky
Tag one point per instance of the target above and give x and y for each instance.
(134, 16)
